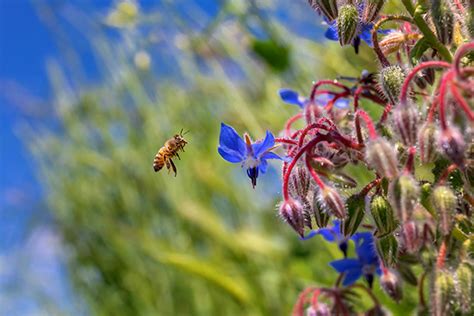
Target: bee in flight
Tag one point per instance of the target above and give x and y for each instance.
(168, 151)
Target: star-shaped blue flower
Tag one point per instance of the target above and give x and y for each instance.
(331, 234)
(292, 97)
(367, 263)
(252, 156)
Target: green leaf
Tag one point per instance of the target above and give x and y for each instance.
(275, 55)
(417, 51)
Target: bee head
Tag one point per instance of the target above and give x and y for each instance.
(179, 137)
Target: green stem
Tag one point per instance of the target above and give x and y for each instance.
(417, 14)
(421, 290)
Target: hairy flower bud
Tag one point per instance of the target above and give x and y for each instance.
(320, 310)
(371, 10)
(391, 80)
(464, 286)
(299, 182)
(347, 23)
(444, 292)
(332, 201)
(320, 215)
(291, 211)
(470, 20)
(420, 82)
(410, 237)
(443, 20)
(355, 205)
(405, 119)
(381, 156)
(326, 7)
(444, 203)
(404, 194)
(383, 216)
(391, 284)
(387, 248)
(428, 74)
(392, 42)
(453, 145)
(427, 142)
(426, 225)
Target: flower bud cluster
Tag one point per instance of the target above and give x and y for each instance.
(416, 210)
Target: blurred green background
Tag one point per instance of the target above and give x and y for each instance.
(204, 242)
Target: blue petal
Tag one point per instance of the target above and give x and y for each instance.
(263, 166)
(291, 97)
(385, 32)
(351, 277)
(342, 103)
(337, 228)
(331, 32)
(365, 248)
(231, 146)
(362, 237)
(230, 155)
(310, 235)
(323, 99)
(260, 148)
(270, 155)
(344, 265)
(366, 33)
(327, 233)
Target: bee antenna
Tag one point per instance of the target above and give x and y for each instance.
(185, 132)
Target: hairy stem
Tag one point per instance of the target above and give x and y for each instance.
(417, 15)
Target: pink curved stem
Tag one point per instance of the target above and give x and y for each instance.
(441, 98)
(368, 122)
(313, 174)
(462, 102)
(325, 82)
(463, 50)
(290, 122)
(285, 141)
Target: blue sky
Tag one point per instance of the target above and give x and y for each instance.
(29, 247)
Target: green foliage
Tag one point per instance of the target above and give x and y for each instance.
(274, 54)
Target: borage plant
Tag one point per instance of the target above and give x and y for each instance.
(399, 220)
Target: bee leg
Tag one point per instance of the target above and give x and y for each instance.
(168, 165)
(177, 155)
(174, 167)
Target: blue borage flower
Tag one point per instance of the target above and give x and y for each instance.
(332, 234)
(367, 263)
(292, 97)
(252, 156)
(364, 33)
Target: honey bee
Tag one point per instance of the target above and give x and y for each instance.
(168, 151)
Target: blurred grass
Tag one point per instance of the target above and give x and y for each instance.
(203, 243)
